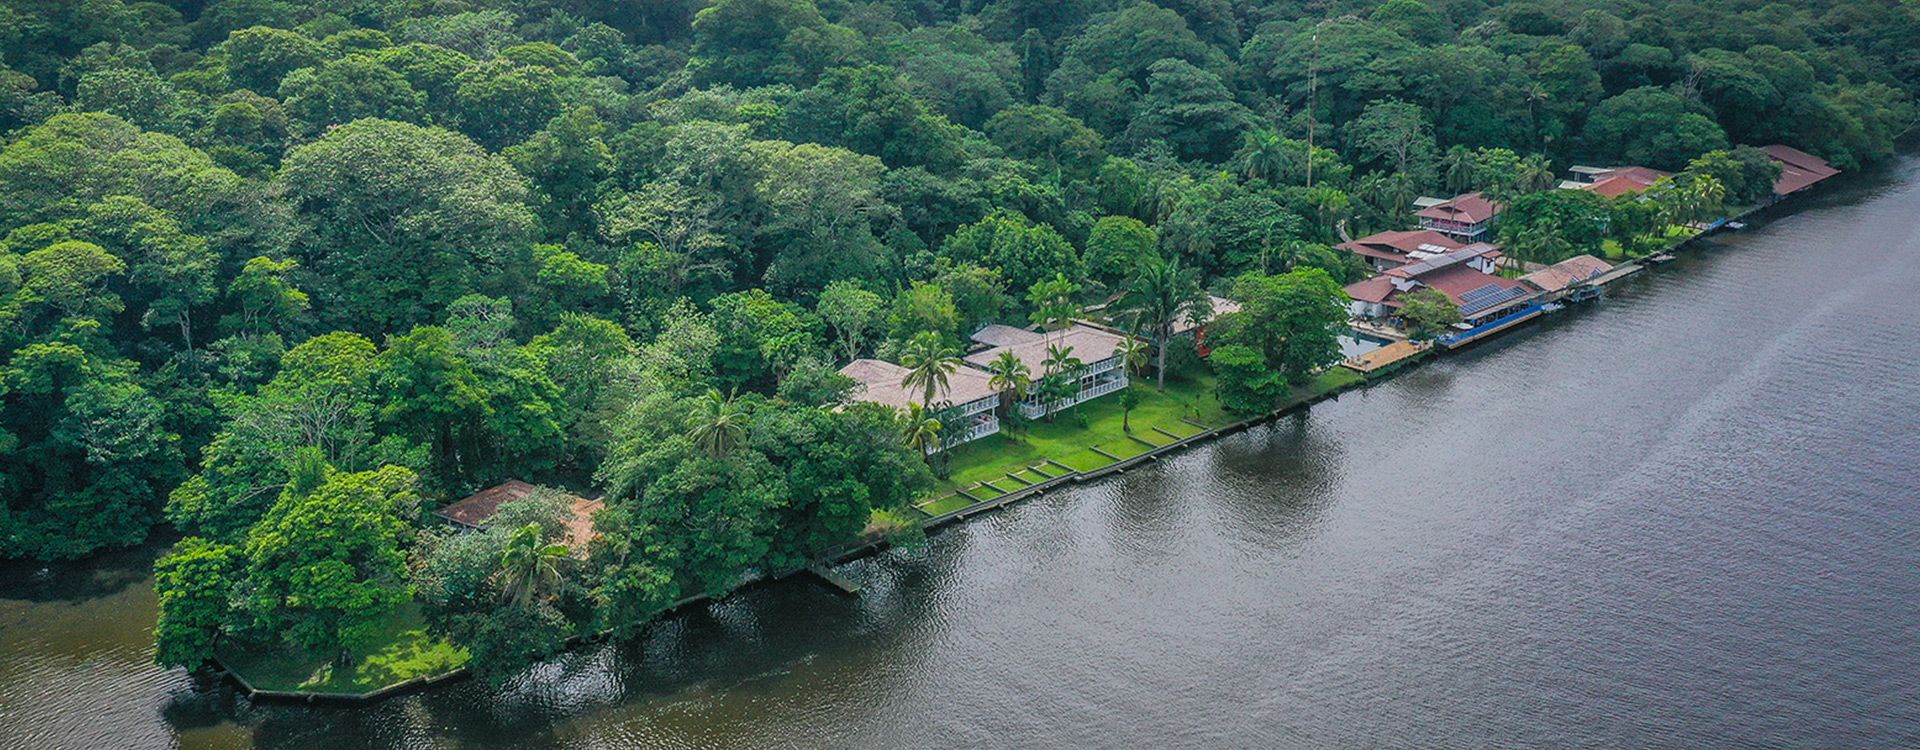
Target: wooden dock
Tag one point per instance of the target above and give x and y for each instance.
(1383, 357)
(1619, 272)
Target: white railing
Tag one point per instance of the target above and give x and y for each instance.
(1455, 227)
(977, 428)
(1101, 389)
(1036, 410)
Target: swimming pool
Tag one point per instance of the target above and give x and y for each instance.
(1354, 343)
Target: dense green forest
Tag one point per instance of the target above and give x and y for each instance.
(283, 274)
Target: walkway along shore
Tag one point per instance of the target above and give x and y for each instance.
(1069, 476)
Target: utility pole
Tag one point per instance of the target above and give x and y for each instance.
(1313, 98)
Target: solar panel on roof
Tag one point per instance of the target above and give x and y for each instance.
(1487, 297)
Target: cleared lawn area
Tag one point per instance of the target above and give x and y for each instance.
(1334, 377)
(1086, 460)
(405, 650)
(1071, 434)
(944, 505)
(984, 492)
(1611, 249)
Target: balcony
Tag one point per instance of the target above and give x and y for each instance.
(1091, 387)
(1456, 228)
(977, 426)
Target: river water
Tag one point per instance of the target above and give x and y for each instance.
(1688, 516)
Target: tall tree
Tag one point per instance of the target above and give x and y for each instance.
(530, 567)
(930, 363)
(1161, 293)
(717, 425)
(327, 565)
(852, 312)
(402, 220)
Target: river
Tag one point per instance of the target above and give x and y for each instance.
(1687, 516)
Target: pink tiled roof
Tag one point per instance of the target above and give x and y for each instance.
(478, 509)
(1377, 290)
(1089, 345)
(1449, 273)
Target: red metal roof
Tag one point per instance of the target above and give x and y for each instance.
(1470, 208)
(1377, 289)
(1798, 169)
(1457, 280)
(1395, 245)
(1449, 273)
(1433, 263)
(1625, 180)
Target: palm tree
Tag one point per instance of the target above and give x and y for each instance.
(1262, 155)
(1331, 206)
(1062, 370)
(1535, 174)
(1707, 194)
(921, 429)
(1457, 168)
(1009, 374)
(929, 363)
(1536, 93)
(1053, 305)
(1677, 203)
(1399, 192)
(1060, 361)
(1160, 292)
(529, 568)
(1133, 355)
(717, 425)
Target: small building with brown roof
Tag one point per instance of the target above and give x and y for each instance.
(477, 510)
(1384, 250)
(1465, 217)
(1799, 170)
(1557, 280)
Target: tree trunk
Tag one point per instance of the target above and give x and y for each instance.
(1160, 365)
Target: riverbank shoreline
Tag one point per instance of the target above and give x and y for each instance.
(942, 521)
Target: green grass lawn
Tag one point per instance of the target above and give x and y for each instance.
(1067, 439)
(946, 504)
(403, 651)
(1071, 439)
(1611, 249)
(1333, 379)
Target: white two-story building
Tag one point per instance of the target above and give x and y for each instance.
(1099, 352)
(965, 406)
